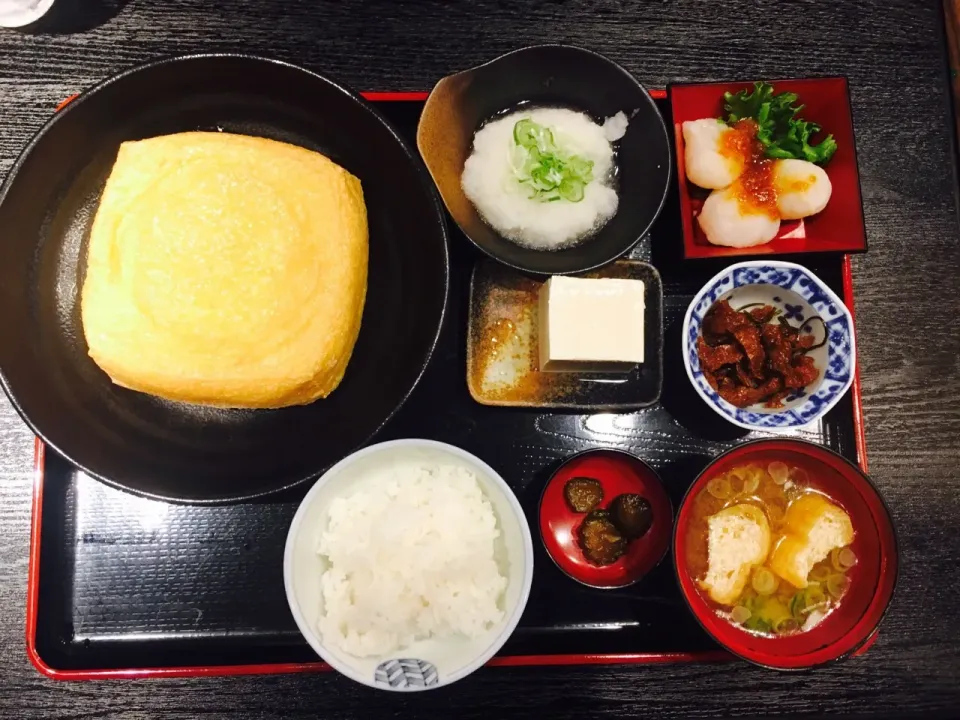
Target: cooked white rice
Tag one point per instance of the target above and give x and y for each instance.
(489, 181)
(411, 555)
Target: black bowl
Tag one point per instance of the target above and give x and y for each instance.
(549, 75)
(183, 452)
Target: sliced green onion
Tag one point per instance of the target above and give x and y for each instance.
(815, 597)
(580, 167)
(847, 558)
(820, 573)
(797, 604)
(787, 625)
(571, 189)
(837, 585)
(720, 488)
(764, 581)
(750, 484)
(835, 560)
(551, 174)
(525, 133)
(778, 471)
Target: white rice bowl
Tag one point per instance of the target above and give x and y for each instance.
(489, 181)
(409, 553)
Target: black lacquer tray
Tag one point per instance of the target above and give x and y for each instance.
(122, 586)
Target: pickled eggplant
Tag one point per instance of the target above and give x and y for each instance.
(583, 494)
(632, 514)
(602, 543)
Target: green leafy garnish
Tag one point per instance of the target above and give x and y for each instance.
(783, 134)
(548, 172)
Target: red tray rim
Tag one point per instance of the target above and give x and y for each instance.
(33, 571)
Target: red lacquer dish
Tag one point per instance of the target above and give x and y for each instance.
(855, 617)
(560, 526)
(838, 228)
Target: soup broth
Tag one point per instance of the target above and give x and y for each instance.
(783, 593)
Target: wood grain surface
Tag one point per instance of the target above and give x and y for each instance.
(893, 52)
(951, 9)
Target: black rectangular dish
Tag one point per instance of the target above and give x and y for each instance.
(498, 292)
(122, 586)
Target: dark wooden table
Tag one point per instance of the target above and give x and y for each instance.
(893, 52)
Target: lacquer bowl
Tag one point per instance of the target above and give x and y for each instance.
(554, 76)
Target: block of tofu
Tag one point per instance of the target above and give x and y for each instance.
(813, 527)
(590, 324)
(738, 540)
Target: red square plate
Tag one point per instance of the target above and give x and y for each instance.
(839, 228)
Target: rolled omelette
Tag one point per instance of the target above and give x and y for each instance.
(226, 270)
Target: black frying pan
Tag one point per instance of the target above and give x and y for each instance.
(177, 451)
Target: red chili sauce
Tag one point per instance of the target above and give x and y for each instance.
(755, 187)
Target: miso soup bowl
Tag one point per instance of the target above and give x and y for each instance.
(853, 623)
(549, 76)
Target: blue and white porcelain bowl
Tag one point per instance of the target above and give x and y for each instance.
(800, 295)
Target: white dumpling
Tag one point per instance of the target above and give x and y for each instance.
(725, 221)
(706, 163)
(802, 188)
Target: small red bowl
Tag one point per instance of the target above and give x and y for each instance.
(618, 472)
(839, 228)
(855, 620)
